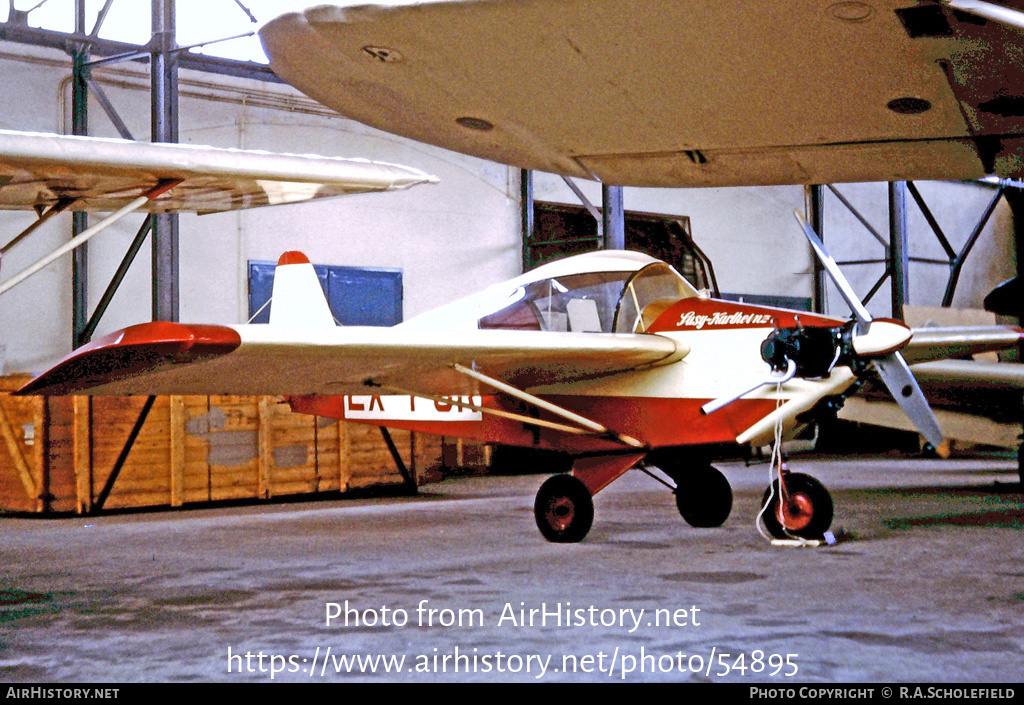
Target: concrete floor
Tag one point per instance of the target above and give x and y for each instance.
(927, 587)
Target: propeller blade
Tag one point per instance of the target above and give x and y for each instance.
(848, 294)
(900, 381)
(892, 368)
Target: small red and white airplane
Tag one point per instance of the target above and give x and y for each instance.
(605, 359)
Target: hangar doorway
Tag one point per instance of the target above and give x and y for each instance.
(561, 229)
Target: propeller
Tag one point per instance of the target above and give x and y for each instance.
(891, 367)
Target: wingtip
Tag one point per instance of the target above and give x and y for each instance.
(131, 352)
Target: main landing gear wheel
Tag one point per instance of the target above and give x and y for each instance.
(564, 509)
(806, 513)
(705, 500)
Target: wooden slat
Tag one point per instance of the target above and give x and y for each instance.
(83, 453)
(177, 441)
(266, 455)
(20, 463)
(344, 470)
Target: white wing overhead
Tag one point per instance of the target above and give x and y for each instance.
(38, 171)
(676, 92)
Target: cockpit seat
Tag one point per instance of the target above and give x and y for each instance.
(583, 316)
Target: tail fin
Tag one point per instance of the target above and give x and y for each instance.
(298, 300)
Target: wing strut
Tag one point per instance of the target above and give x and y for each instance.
(59, 207)
(493, 412)
(592, 426)
(159, 189)
(584, 425)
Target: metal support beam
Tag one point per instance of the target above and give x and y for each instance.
(897, 256)
(526, 206)
(816, 218)
(108, 107)
(957, 264)
(899, 262)
(12, 31)
(613, 217)
(591, 208)
(79, 220)
(126, 262)
(60, 206)
(164, 86)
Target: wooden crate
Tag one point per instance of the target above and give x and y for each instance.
(58, 453)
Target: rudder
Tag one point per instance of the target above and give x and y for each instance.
(298, 300)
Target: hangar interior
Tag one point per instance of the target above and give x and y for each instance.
(927, 245)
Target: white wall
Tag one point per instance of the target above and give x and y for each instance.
(749, 234)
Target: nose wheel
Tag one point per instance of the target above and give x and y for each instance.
(801, 507)
(564, 509)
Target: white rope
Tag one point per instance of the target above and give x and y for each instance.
(774, 466)
(775, 471)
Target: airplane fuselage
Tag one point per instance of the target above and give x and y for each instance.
(660, 406)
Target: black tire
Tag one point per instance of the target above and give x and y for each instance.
(564, 509)
(810, 508)
(704, 499)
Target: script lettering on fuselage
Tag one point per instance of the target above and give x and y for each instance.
(391, 407)
(717, 319)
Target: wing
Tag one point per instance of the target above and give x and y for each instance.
(972, 374)
(947, 342)
(173, 358)
(676, 92)
(39, 171)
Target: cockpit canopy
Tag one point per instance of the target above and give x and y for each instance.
(592, 302)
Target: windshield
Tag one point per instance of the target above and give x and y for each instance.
(593, 303)
(646, 296)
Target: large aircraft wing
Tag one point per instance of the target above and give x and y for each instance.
(942, 343)
(174, 358)
(40, 171)
(971, 374)
(679, 92)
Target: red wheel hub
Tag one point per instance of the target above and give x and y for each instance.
(795, 512)
(560, 513)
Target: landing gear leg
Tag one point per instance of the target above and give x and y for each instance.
(564, 509)
(801, 507)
